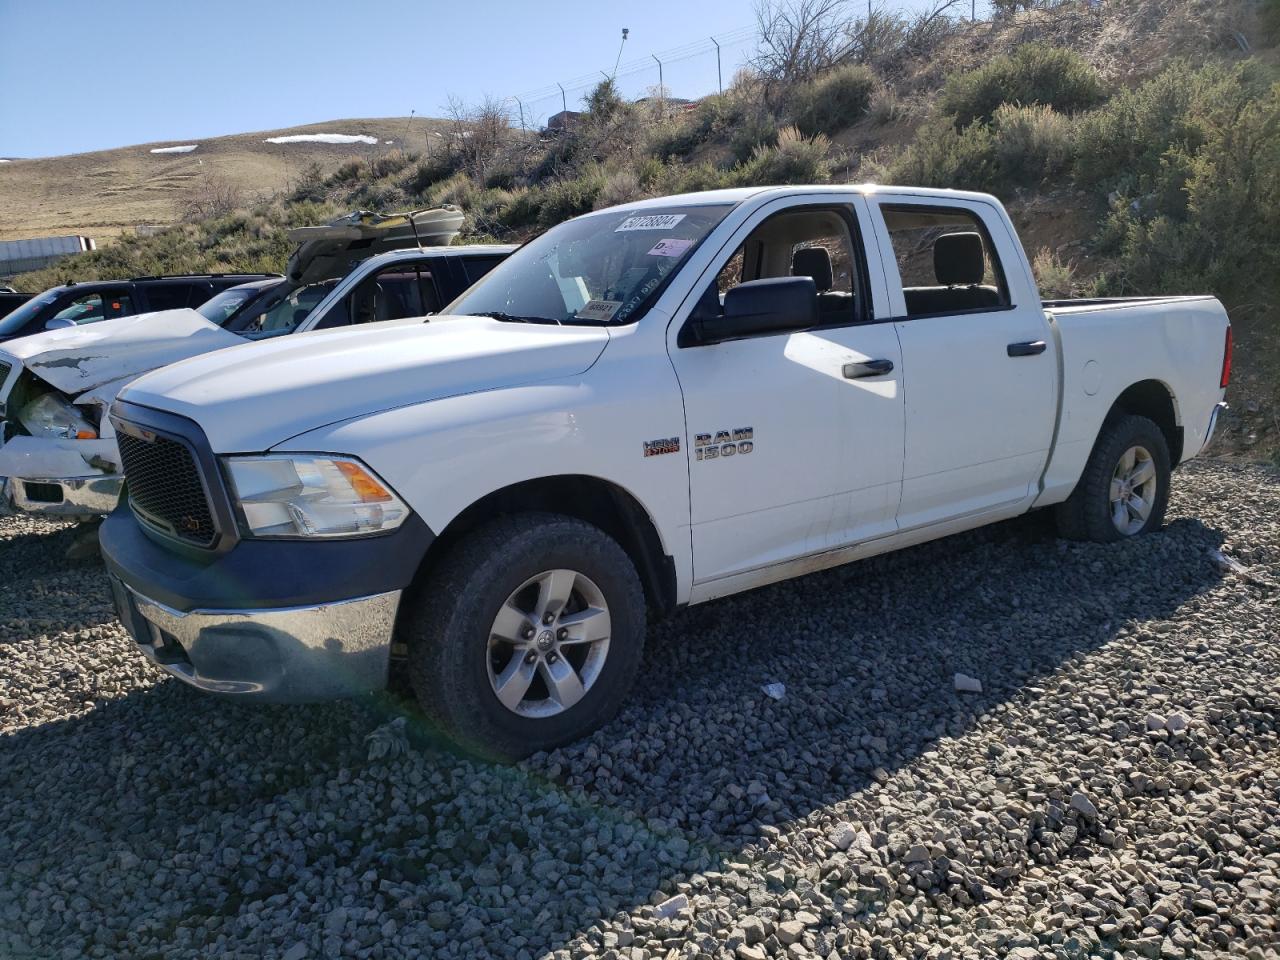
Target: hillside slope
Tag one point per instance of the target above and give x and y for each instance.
(103, 193)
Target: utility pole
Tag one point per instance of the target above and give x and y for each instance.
(405, 138)
(521, 106)
(618, 59)
(719, 78)
(662, 90)
(564, 102)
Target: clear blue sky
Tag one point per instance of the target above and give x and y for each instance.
(79, 75)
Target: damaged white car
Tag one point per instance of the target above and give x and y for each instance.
(58, 453)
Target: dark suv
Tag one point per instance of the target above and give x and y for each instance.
(78, 303)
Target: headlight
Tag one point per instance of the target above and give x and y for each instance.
(49, 415)
(306, 495)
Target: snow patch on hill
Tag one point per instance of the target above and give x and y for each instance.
(184, 148)
(324, 138)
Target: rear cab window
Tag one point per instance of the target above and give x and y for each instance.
(947, 263)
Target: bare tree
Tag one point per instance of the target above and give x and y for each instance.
(798, 38)
(477, 132)
(884, 39)
(212, 196)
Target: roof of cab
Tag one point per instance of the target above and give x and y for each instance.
(464, 250)
(737, 195)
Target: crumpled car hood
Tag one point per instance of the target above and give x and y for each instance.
(261, 394)
(77, 359)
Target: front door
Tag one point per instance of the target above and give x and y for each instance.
(981, 384)
(794, 438)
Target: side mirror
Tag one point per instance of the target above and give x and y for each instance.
(59, 323)
(760, 307)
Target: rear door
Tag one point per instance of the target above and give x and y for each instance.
(981, 395)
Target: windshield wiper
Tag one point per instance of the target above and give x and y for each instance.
(513, 318)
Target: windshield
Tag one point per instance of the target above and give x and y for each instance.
(13, 322)
(225, 305)
(605, 268)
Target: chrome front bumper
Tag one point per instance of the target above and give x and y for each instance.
(294, 654)
(94, 496)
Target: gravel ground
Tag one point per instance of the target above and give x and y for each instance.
(1114, 789)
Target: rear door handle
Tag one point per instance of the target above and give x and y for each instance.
(1028, 348)
(867, 368)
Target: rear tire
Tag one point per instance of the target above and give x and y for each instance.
(528, 636)
(1124, 489)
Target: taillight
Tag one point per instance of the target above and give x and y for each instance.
(1226, 360)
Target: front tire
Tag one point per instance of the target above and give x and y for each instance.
(1124, 489)
(528, 636)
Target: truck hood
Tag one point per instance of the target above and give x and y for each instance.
(257, 395)
(78, 359)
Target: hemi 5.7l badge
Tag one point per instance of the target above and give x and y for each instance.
(654, 448)
(723, 443)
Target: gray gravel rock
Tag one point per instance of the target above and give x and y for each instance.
(874, 811)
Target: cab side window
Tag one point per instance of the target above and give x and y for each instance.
(946, 260)
(393, 293)
(811, 242)
(92, 307)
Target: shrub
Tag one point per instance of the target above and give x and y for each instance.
(1269, 15)
(620, 186)
(428, 172)
(836, 100)
(1055, 278)
(794, 159)
(715, 116)
(1029, 144)
(689, 178)
(1035, 73)
(389, 164)
(604, 100)
(885, 107)
(942, 156)
(522, 210)
(756, 131)
(1225, 238)
(1141, 141)
(562, 199)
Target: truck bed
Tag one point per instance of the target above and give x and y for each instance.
(1097, 303)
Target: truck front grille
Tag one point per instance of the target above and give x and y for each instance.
(165, 490)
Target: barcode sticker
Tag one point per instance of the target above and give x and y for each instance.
(654, 221)
(598, 310)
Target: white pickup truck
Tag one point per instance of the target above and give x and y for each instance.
(645, 407)
(58, 453)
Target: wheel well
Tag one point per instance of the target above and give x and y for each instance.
(1152, 399)
(590, 499)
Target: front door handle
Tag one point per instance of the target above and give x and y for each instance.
(867, 368)
(1028, 348)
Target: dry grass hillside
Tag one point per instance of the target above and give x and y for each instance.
(103, 193)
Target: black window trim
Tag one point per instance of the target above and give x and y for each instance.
(864, 313)
(997, 266)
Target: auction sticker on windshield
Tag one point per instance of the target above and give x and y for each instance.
(598, 310)
(654, 221)
(670, 247)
